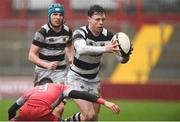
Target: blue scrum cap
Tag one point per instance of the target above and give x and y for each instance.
(55, 8)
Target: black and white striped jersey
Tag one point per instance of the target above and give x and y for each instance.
(53, 44)
(88, 65)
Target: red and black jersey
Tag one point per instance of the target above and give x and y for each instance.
(47, 94)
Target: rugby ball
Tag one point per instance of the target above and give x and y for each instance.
(124, 43)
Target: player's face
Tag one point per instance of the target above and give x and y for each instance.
(96, 22)
(57, 19)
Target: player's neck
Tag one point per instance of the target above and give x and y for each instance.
(93, 31)
(56, 29)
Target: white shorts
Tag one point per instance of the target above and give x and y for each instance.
(76, 82)
(57, 76)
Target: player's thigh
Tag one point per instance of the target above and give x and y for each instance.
(40, 73)
(59, 76)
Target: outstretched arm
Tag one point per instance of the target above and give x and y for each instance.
(82, 48)
(19, 102)
(89, 97)
(12, 111)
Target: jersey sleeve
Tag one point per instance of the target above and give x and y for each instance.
(70, 37)
(39, 37)
(78, 34)
(81, 47)
(85, 96)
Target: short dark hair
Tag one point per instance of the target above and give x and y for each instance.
(44, 81)
(95, 8)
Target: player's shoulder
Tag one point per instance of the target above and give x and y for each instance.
(83, 28)
(81, 31)
(44, 29)
(67, 28)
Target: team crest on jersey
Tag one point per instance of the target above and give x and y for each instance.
(51, 40)
(102, 44)
(62, 39)
(65, 40)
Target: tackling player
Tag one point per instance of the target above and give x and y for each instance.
(38, 103)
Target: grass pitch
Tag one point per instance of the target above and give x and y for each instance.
(130, 110)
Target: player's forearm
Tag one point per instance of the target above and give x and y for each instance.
(12, 111)
(86, 96)
(92, 98)
(34, 56)
(82, 48)
(36, 60)
(70, 52)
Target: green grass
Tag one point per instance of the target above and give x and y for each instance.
(130, 110)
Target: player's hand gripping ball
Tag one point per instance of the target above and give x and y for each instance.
(124, 42)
